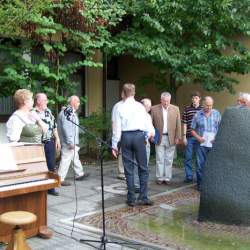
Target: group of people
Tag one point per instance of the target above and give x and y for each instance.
(134, 129)
(34, 122)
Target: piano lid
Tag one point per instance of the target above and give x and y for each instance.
(30, 160)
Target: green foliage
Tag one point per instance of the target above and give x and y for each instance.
(97, 125)
(55, 29)
(191, 41)
(15, 14)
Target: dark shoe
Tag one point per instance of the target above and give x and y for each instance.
(81, 178)
(121, 178)
(145, 202)
(131, 203)
(137, 190)
(167, 182)
(53, 192)
(188, 181)
(159, 182)
(65, 183)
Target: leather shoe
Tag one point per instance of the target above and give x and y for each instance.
(65, 183)
(159, 182)
(131, 203)
(167, 182)
(81, 178)
(53, 192)
(145, 202)
(121, 177)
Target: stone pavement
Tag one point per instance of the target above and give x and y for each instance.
(85, 197)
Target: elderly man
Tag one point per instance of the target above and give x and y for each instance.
(147, 105)
(189, 141)
(121, 174)
(204, 127)
(130, 129)
(166, 119)
(69, 135)
(50, 139)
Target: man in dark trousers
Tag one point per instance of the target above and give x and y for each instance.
(131, 130)
(50, 139)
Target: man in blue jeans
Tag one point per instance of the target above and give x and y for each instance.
(189, 141)
(204, 126)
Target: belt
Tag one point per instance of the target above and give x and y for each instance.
(48, 140)
(165, 134)
(132, 131)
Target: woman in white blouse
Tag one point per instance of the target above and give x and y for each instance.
(25, 125)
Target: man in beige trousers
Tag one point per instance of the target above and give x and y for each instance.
(166, 119)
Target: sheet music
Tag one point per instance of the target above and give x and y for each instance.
(7, 158)
(209, 137)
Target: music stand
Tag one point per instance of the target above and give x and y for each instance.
(100, 143)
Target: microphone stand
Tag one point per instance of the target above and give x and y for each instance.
(100, 144)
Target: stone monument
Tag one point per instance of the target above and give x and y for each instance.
(225, 190)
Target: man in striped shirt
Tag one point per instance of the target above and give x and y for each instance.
(189, 141)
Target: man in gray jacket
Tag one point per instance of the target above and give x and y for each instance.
(69, 137)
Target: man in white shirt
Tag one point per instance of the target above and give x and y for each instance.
(130, 129)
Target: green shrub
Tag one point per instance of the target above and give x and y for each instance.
(98, 126)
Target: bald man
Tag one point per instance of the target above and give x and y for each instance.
(204, 127)
(50, 139)
(69, 136)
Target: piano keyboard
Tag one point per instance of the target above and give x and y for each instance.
(26, 184)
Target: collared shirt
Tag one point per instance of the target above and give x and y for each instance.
(129, 116)
(187, 117)
(114, 110)
(165, 120)
(49, 119)
(202, 124)
(68, 131)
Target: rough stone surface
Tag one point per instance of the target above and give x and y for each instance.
(225, 191)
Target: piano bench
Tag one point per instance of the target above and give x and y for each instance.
(17, 219)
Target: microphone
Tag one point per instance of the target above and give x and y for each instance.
(68, 112)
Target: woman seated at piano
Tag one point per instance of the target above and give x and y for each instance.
(25, 125)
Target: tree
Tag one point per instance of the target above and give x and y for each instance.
(55, 27)
(192, 41)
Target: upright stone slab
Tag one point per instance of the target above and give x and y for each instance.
(225, 190)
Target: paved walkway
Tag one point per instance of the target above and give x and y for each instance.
(85, 197)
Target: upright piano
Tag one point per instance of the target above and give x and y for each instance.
(26, 188)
